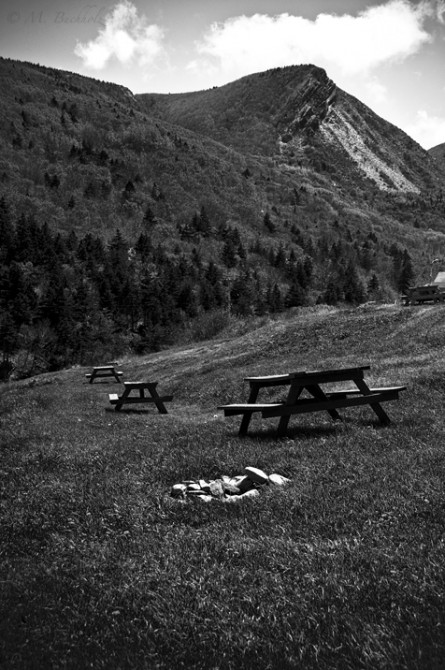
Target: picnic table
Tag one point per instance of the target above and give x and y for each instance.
(146, 393)
(104, 371)
(421, 294)
(320, 398)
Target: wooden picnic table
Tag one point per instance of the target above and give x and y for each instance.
(420, 294)
(146, 393)
(320, 398)
(104, 371)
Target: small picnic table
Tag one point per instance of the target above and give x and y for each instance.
(320, 398)
(421, 294)
(141, 388)
(104, 371)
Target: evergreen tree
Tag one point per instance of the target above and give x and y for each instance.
(373, 285)
(26, 242)
(269, 224)
(6, 232)
(21, 299)
(296, 295)
(274, 298)
(149, 217)
(280, 258)
(117, 259)
(187, 300)
(228, 255)
(406, 274)
(9, 331)
(352, 286)
(242, 294)
(203, 223)
(143, 247)
(332, 294)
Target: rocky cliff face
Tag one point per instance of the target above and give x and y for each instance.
(362, 147)
(316, 98)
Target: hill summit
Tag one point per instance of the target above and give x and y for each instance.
(285, 111)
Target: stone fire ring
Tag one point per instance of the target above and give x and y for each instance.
(227, 489)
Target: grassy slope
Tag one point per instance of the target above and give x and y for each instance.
(343, 569)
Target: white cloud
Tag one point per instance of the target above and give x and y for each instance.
(427, 130)
(376, 92)
(126, 36)
(352, 44)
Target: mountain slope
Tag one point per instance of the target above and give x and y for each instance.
(287, 112)
(86, 155)
(69, 139)
(438, 153)
(133, 222)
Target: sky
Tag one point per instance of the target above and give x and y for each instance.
(390, 54)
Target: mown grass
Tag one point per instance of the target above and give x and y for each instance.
(344, 568)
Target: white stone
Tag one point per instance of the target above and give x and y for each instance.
(278, 480)
(253, 493)
(232, 499)
(205, 498)
(216, 488)
(256, 475)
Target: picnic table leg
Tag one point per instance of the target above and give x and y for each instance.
(378, 409)
(157, 400)
(319, 395)
(122, 399)
(116, 376)
(293, 395)
(253, 395)
(93, 375)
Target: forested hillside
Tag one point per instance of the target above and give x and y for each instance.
(123, 229)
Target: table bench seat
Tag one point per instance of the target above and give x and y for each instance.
(241, 408)
(103, 373)
(335, 399)
(306, 405)
(355, 391)
(115, 398)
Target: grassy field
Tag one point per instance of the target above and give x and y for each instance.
(344, 568)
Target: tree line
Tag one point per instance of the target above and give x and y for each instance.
(67, 300)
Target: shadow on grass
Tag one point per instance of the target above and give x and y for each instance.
(310, 432)
(102, 381)
(139, 410)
